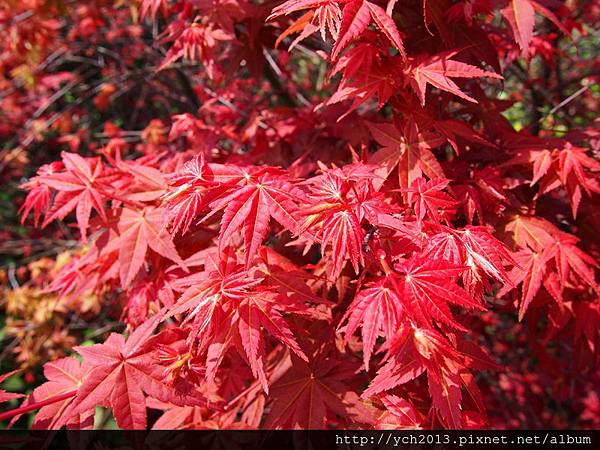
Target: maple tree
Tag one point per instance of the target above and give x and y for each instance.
(301, 213)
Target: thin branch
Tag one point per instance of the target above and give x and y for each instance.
(566, 101)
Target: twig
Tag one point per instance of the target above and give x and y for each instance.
(187, 89)
(14, 283)
(103, 330)
(7, 349)
(566, 101)
(274, 80)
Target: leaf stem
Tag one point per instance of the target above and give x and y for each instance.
(27, 408)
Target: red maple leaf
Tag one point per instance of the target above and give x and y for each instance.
(428, 198)
(64, 376)
(572, 162)
(409, 150)
(356, 16)
(530, 271)
(151, 7)
(531, 232)
(119, 373)
(429, 286)
(258, 312)
(312, 395)
(520, 14)
(477, 250)
(438, 71)
(80, 187)
(415, 351)
(399, 414)
(249, 207)
(521, 17)
(139, 230)
(567, 166)
(378, 310)
(571, 266)
(6, 396)
(211, 296)
(230, 299)
(365, 76)
(325, 15)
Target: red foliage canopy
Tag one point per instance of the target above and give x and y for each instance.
(349, 234)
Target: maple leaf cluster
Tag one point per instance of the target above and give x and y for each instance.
(346, 233)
